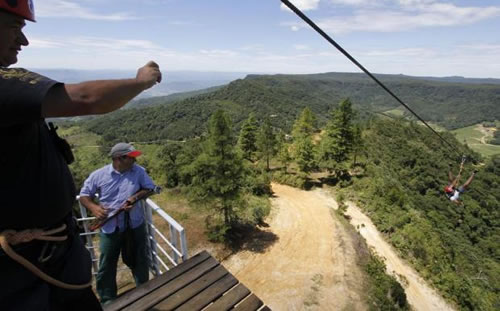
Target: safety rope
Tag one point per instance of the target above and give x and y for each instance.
(352, 59)
(12, 237)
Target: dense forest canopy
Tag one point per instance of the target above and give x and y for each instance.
(283, 97)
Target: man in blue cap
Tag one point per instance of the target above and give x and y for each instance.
(118, 185)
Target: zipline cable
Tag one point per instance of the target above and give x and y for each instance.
(352, 59)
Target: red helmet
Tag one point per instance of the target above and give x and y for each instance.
(23, 8)
(448, 189)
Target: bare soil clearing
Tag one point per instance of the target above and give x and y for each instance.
(312, 264)
(487, 133)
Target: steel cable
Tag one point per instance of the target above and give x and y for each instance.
(352, 59)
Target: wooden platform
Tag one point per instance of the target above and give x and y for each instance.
(199, 283)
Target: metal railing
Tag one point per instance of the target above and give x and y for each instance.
(164, 250)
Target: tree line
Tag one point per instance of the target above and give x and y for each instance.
(451, 105)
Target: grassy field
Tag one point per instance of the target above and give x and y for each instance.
(397, 112)
(472, 136)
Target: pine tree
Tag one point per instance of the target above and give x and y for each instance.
(266, 142)
(247, 138)
(337, 141)
(304, 152)
(305, 124)
(303, 147)
(284, 151)
(217, 173)
(357, 143)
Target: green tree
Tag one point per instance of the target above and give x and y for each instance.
(217, 173)
(266, 142)
(284, 151)
(304, 153)
(306, 123)
(248, 137)
(303, 147)
(337, 141)
(357, 146)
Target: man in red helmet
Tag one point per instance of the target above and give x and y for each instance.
(43, 263)
(451, 190)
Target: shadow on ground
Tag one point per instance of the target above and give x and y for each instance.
(250, 238)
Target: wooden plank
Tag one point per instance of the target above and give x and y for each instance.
(266, 308)
(192, 289)
(230, 299)
(173, 286)
(208, 295)
(251, 303)
(153, 284)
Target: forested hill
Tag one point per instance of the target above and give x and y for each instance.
(401, 189)
(165, 100)
(282, 97)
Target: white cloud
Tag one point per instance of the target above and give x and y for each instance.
(484, 50)
(95, 44)
(356, 2)
(407, 52)
(301, 47)
(70, 9)
(427, 15)
(180, 23)
(112, 44)
(304, 5)
(218, 53)
(401, 16)
(254, 47)
(44, 44)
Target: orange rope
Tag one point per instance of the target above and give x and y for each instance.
(12, 237)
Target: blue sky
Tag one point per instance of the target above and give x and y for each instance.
(413, 37)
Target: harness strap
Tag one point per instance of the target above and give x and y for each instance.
(12, 237)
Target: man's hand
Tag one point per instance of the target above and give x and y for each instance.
(149, 75)
(127, 205)
(99, 211)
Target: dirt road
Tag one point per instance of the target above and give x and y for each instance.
(419, 295)
(487, 133)
(312, 266)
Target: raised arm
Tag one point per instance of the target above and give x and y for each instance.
(98, 97)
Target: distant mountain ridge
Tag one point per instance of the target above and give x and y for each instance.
(451, 105)
(165, 100)
(173, 81)
(458, 79)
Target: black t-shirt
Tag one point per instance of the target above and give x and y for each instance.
(36, 185)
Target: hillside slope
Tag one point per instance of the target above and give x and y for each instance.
(282, 97)
(455, 247)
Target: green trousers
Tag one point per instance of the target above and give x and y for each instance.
(110, 246)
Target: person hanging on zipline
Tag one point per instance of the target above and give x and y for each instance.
(451, 190)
